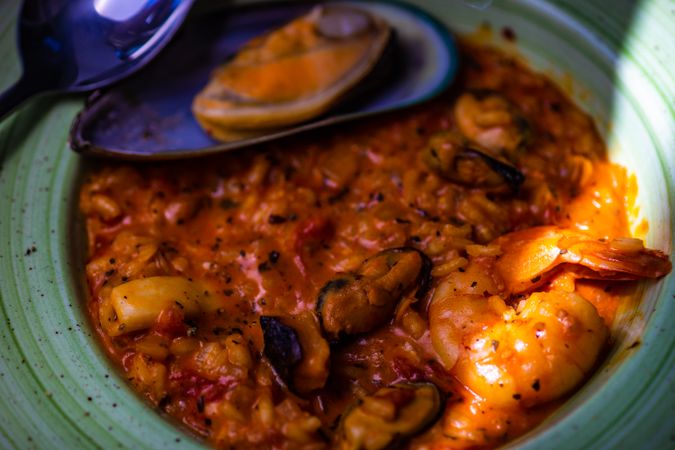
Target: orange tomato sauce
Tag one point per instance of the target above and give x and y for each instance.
(266, 228)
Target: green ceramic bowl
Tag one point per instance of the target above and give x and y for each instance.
(57, 389)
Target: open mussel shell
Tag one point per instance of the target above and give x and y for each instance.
(388, 417)
(282, 346)
(358, 302)
(149, 116)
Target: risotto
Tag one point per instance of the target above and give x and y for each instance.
(441, 277)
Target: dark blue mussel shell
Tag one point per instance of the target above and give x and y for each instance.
(148, 116)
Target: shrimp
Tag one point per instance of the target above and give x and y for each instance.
(488, 119)
(537, 352)
(545, 346)
(532, 256)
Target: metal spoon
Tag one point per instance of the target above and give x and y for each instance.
(80, 45)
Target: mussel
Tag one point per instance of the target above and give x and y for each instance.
(389, 416)
(282, 346)
(251, 99)
(294, 73)
(296, 350)
(358, 302)
(448, 154)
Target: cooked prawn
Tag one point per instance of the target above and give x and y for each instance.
(544, 347)
(531, 256)
(488, 119)
(537, 352)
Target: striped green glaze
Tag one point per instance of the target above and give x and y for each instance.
(57, 390)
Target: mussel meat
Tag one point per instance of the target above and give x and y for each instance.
(450, 156)
(389, 416)
(358, 302)
(294, 73)
(296, 350)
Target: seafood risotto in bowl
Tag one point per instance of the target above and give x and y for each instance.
(443, 277)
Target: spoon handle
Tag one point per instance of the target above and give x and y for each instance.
(15, 95)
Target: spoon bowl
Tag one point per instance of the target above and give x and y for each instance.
(81, 45)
